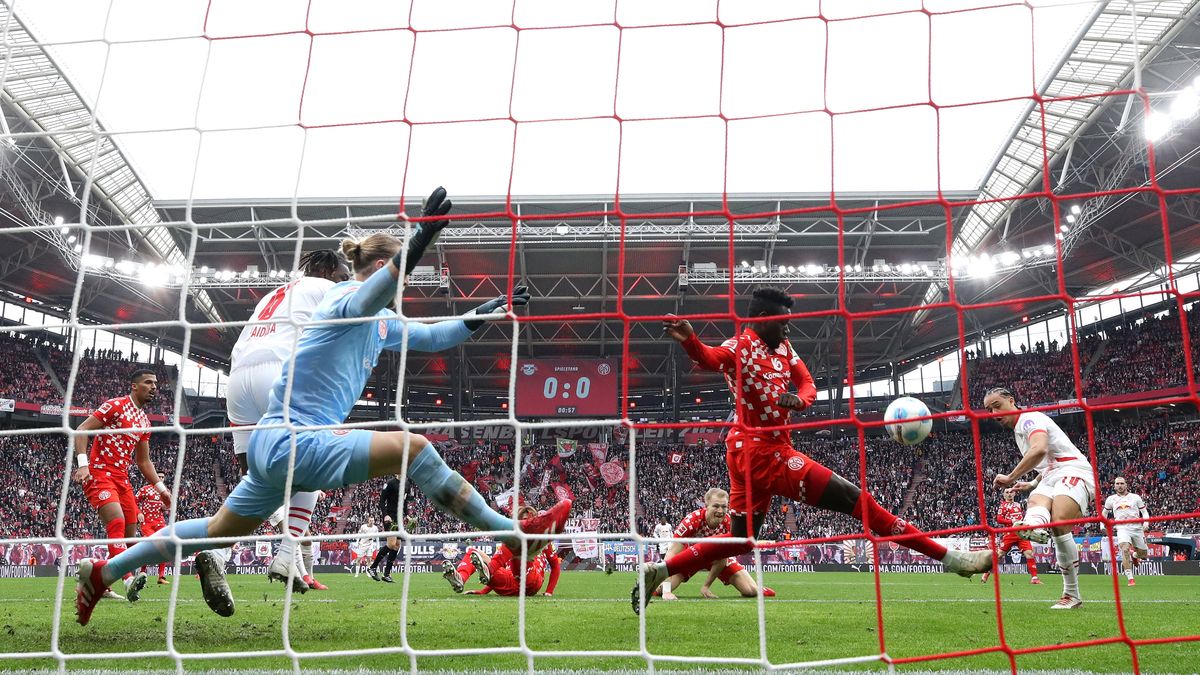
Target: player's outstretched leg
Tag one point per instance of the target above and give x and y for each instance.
(213, 584)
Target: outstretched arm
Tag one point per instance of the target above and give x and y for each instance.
(427, 337)
(709, 358)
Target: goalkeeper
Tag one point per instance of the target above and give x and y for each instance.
(331, 365)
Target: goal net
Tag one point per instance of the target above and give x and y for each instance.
(958, 196)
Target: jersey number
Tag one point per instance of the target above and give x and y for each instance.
(274, 303)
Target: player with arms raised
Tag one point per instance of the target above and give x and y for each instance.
(259, 357)
(759, 365)
(153, 518)
(1126, 505)
(104, 470)
(1062, 491)
(1009, 514)
(709, 521)
(331, 365)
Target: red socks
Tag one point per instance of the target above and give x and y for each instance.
(702, 555)
(115, 529)
(885, 524)
(1032, 565)
(465, 567)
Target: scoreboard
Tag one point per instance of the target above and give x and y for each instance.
(567, 388)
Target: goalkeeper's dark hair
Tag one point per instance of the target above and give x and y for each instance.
(362, 253)
(320, 263)
(138, 374)
(769, 300)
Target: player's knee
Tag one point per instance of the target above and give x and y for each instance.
(416, 442)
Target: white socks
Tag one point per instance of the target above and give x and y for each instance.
(1066, 553)
(299, 515)
(1038, 516)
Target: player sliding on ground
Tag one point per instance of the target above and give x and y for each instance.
(256, 362)
(1131, 536)
(1008, 514)
(502, 572)
(331, 365)
(759, 364)
(710, 521)
(1062, 491)
(104, 471)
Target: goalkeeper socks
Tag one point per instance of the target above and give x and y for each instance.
(299, 515)
(1066, 552)
(450, 492)
(701, 556)
(156, 549)
(885, 524)
(391, 559)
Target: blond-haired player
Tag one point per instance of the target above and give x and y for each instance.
(711, 520)
(1062, 491)
(1125, 505)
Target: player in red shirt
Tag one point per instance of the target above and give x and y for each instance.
(709, 521)
(759, 365)
(153, 518)
(502, 572)
(104, 470)
(1010, 513)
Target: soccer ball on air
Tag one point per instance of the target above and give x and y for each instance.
(907, 408)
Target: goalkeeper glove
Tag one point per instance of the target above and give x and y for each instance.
(520, 298)
(426, 233)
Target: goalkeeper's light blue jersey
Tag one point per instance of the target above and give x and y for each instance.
(334, 361)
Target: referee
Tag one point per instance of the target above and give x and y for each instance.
(389, 505)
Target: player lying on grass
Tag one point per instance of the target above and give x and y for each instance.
(710, 521)
(759, 366)
(1125, 505)
(1063, 490)
(1007, 515)
(104, 469)
(502, 572)
(330, 366)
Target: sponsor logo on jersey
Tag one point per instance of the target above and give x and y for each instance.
(795, 463)
(383, 330)
(528, 368)
(104, 494)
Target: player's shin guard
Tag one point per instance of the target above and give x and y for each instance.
(156, 549)
(884, 523)
(451, 493)
(701, 556)
(299, 515)
(1066, 553)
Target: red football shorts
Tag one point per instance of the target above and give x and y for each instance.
(101, 490)
(732, 567)
(152, 525)
(761, 468)
(1012, 539)
(506, 580)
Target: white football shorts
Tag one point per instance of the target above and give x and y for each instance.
(247, 398)
(1078, 487)
(1134, 536)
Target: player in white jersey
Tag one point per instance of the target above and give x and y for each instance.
(663, 530)
(259, 357)
(364, 548)
(1063, 490)
(1126, 505)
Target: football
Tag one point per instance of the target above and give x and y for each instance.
(897, 415)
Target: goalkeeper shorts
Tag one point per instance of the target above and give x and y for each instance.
(325, 460)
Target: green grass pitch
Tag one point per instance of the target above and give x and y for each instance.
(816, 616)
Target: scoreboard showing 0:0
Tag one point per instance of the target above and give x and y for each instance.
(567, 388)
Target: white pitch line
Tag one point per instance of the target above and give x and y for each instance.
(625, 601)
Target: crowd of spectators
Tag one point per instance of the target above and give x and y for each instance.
(22, 377)
(1044, 375)
(1143, 355)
